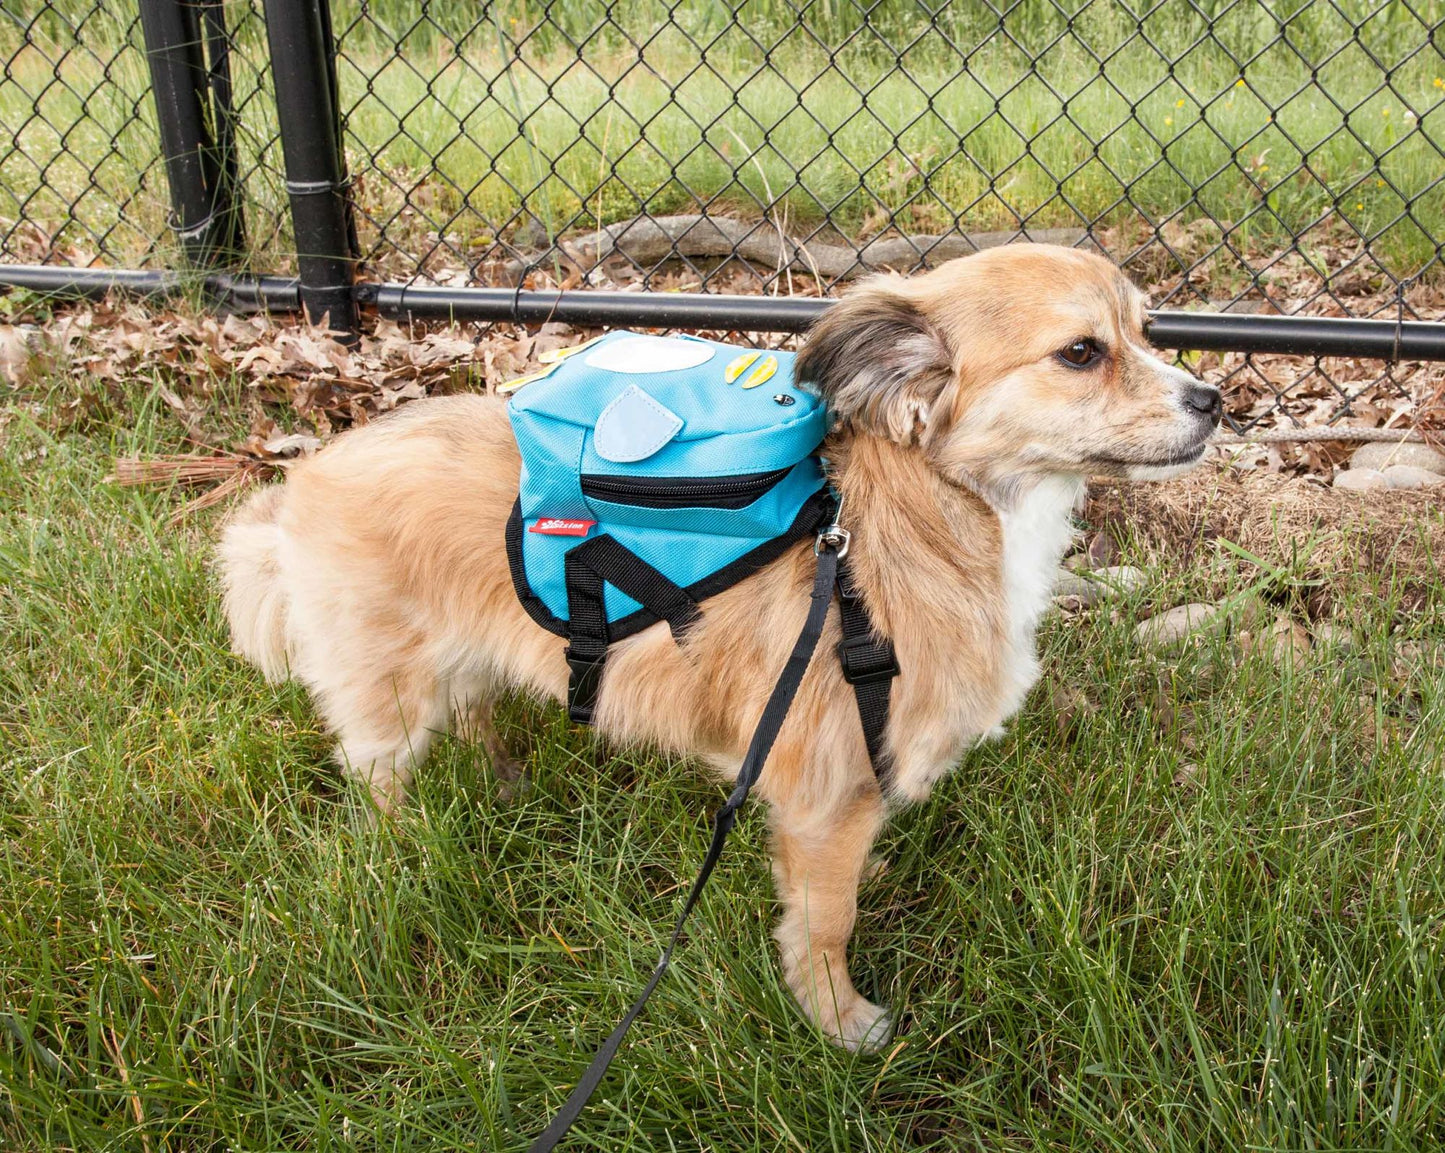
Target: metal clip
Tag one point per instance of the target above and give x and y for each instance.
(834, 536)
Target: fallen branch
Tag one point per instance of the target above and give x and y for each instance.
(1306, 435)
(648, 240)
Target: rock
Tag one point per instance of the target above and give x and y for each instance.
(1408, 476)
(1361, 480)
(1188, 775)
(1412, 658)
(1175, 625)
(1085, 589)
(1069, 705)
(1290, 639)
(1121, 578)
(1069, 586)
(1383, 455)
(1102, 551)
(1338, 638)
(1284, 642)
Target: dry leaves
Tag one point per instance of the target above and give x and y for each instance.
(299, 384)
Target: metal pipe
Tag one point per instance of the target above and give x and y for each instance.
(303, 74)
(1291, 335)
(230, 219)
(180, 86)
(1299, 335)
(647, 309)
(248, 293)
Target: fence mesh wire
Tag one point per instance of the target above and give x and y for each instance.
(82, 180)
(1285, 156)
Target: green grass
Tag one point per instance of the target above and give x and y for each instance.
(1270, 119)
(203, 946)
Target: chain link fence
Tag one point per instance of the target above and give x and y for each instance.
(82, 180)
(1247, 157)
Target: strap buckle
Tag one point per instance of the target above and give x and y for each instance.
(833, 536)
(583, 684)
(866, 661)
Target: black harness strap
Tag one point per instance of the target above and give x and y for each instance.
(587, 568)
(869, 665)
(774, 713)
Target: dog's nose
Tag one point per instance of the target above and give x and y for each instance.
(1205, 399)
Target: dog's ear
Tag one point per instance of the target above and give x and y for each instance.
(877, 361)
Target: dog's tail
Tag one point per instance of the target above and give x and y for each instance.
(254, 597)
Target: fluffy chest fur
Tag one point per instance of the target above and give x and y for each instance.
(1036, 533)
(961, 584)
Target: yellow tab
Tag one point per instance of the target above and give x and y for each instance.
(557, 354)
(764, 372)
(739, 365)
(512, 385)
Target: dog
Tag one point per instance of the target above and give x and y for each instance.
(970, 404)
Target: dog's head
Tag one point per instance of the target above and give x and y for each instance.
(1020, 362)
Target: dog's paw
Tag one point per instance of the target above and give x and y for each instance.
(863, 1028)
(512, 779)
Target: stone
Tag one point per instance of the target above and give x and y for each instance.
(1413, 658)
(1339, 638)
(1177, 624)
(1121, 578)
(1382, 455)
(1188, 775)
(1408, 476)
(1284, 642)
(1076, 586)
(1088, 589)
(1361, 480)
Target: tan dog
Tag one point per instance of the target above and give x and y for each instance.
(972, 402)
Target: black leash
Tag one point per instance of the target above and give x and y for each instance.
(832, 544)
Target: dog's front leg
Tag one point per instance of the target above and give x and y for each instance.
(818, 860)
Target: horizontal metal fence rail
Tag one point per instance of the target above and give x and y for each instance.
(1387, 340)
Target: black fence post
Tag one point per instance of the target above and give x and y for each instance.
(201, 175)
(218, 56)
(303, 70)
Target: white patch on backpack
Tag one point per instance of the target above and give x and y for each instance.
(633, 427)
(640, 354)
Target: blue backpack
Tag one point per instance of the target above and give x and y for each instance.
(657, 471)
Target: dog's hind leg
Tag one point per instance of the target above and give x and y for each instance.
(818, 861)
(474, 723)
(385, 730)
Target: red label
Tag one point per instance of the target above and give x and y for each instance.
(552, 526)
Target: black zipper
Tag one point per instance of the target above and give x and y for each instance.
(683, 491)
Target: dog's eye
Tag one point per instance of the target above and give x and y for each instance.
(1080, 354)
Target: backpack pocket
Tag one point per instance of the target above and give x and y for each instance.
(727, 492)
(754, 504)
